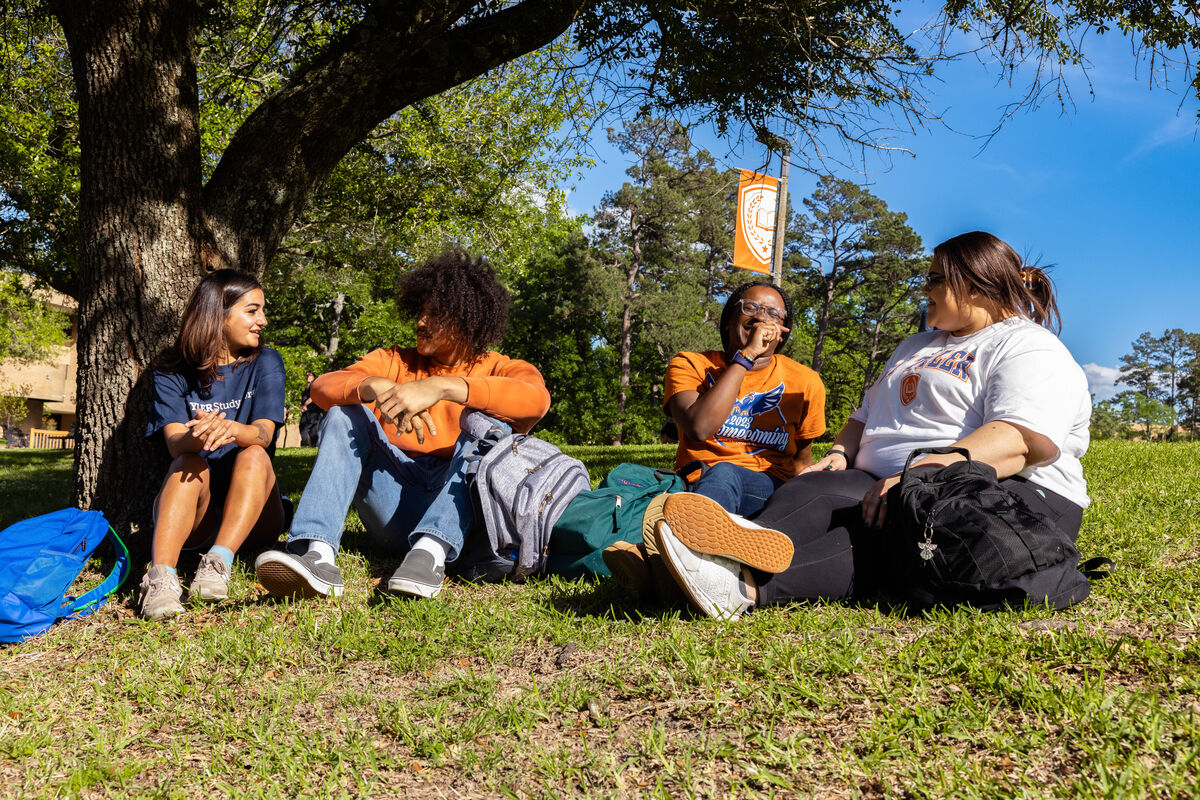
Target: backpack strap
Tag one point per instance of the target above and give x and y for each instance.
(933, 451)
(689, 468)
(120, 572)
(1094, 568)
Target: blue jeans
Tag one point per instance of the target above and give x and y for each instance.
(738, 489)
(399, 498)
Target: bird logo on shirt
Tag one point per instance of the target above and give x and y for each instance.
(756, 403)
(740, 422)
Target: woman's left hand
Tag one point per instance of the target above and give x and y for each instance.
(213, 428)
(874, 502)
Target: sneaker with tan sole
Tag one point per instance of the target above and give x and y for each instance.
(211, 582)
(704, 526)
(160, 594)
(288, 575)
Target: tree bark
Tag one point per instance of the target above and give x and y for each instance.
(335, 336)
(140, 228)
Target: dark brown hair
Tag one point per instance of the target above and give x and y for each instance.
(461, 293)
(201, 340)
(979, 262)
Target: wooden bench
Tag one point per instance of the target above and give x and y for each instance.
(51, 440)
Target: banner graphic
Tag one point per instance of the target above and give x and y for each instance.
(754, 240)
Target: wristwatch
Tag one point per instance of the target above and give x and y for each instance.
(741, 360)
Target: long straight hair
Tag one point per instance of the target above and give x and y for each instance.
(981, 263)
(201, 341)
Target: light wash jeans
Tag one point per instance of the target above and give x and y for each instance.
(399, 498)
(740, 490)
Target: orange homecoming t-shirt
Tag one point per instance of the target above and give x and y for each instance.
(503, 387)
(775, 407)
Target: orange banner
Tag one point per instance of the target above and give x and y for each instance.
(754, 240)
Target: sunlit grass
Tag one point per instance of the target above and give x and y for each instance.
(557, 688)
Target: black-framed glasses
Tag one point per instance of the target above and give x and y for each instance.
(752, 309)
(932, 280)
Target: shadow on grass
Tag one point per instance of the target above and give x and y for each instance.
(603, 598)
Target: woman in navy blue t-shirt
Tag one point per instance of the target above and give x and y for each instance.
(218, 400)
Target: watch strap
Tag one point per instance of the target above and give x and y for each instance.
(741, 360)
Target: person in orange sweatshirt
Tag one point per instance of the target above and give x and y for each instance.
(390, 442)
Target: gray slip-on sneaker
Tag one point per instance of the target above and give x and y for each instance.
(160, 594)
(287, 575)
(211, 582)
(417, 576)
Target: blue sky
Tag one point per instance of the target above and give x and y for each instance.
(1107, 191)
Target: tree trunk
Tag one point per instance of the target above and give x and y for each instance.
(626, 351)
(335, 338)
(826, 315)
(818, 359)
(140, 229)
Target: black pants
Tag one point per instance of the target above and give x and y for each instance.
(310, 426)
(837, 555)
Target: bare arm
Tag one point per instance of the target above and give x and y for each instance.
(700, 416)
(210, 430)
(803, 458)
(407, 404)
(845, 448)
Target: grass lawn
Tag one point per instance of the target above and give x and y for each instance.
(556, 688)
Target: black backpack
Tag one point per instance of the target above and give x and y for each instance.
(955, 535)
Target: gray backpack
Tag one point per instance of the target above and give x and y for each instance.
(521, 486)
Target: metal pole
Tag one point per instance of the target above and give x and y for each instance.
(781, 211)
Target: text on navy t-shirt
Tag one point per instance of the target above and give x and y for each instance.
(247, 392)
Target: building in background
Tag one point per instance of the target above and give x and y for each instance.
(49, 384)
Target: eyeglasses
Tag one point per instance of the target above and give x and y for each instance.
(932, 280)
(752, 309)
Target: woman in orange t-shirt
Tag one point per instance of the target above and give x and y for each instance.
(747, 413)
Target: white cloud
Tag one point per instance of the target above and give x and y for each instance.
(1173, 130)
(1102, 380)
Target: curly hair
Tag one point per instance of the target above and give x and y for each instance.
(460, 292)
(731, 309)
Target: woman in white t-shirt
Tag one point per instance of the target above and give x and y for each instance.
(990, 377)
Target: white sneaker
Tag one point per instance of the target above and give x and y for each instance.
(211, 582)
(714, 584)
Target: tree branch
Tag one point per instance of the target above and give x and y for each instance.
(398, 54)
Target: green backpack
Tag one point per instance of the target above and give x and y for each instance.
(610, 513)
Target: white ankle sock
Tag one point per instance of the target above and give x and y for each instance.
(435, 547)
(324, 550)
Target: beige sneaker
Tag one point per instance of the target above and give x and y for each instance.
(212, 579)
(160, 593)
